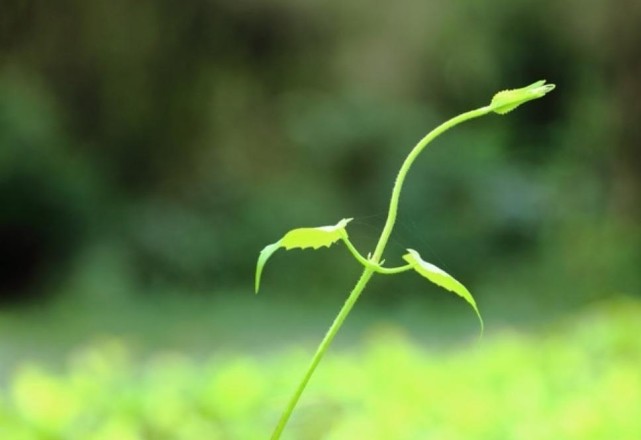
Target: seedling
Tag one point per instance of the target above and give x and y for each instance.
(503, 102)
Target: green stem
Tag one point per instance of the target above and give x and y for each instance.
(393, 270)
(409, 160)
(374, 266)
(322, 348)
(376, 257)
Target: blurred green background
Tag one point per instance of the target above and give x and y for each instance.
(150, 149)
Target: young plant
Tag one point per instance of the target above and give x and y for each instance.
(502, 103)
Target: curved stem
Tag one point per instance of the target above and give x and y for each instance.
(374, 266)
(393, 270)
(360, 258)
(400, 178)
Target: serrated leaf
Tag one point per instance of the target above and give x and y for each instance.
(441, 278)
(315, 237)
(302, 238)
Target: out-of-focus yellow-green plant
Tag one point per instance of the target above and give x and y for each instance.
(580, 382)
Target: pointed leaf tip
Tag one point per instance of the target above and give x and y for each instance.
(441, 278)
(302, 238)
(262, 259)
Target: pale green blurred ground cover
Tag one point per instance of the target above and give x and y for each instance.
(576, 379)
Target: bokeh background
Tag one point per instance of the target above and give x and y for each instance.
(150, 149)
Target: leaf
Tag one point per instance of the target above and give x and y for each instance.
(315, 237)
(302, 238)
(441, 278)
(507, 100)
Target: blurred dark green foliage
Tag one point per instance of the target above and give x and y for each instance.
(180, 136)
